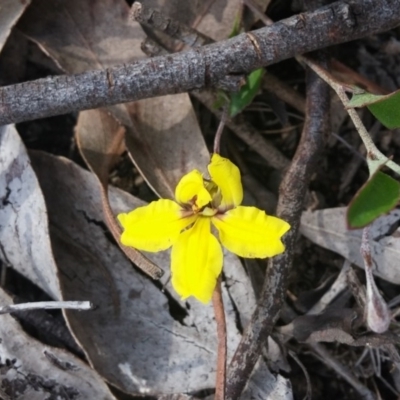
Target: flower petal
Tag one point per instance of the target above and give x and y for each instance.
(249, 232)
(154, 227)
(191, 190)
(227, 177)
(196, 262)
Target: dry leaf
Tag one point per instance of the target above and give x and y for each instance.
(24, 236)
(163, 136)
(164, 141)
(328, 229)
(130, 338)
(100, 140)
(83, 35)
(266, 385)
(30, 370)
(332, 325)
(10, 12)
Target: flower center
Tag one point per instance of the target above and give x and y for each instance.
(208, 211)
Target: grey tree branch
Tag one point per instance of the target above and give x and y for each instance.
(200, 67)
(290, 205)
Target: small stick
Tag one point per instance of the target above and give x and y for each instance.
(221, 333)
(290, 206)
(342, 371)
(375, 158)
(47, 305)
(246, 132)
(221, 126)
(308, 395)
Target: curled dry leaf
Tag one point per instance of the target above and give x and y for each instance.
(31, 370)
(328, 229)
(10, 11)
(162, 134)
(24, 234)
(100, 140)
(130, 338)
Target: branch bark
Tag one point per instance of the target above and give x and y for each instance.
(292, 193)
(200, 67)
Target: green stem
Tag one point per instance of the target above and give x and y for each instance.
(375, 158)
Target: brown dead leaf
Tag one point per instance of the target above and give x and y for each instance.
(141, 348)
(163, 136)
(130, 337)
(10, 11)
(83, 35)
(100, 140)
(164, 140)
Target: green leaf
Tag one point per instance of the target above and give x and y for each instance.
(245, 96)
(364, 99)
(384, 108)
(379, 195)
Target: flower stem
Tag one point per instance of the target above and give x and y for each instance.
(221, 126)
(221, 334)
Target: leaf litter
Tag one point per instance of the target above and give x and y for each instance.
(78, 257)
(130, 308)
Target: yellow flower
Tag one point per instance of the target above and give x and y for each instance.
(196, 257)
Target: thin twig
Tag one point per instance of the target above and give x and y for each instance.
(221, 126)
(221, 333)
(325, 357)
(246, 132)
(375, 158)
(284, 92)
(51, 327)
(342, 370)
(197, 68)
(47, 305)
(308, 395)
(290, 205)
